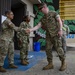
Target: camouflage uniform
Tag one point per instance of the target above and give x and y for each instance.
(66, 31)
(6, 41)
(52, 38)
(23, 40)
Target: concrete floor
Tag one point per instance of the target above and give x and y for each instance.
(37, 69)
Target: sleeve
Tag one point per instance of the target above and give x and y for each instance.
(11, 25)
(4, 26)
(16, 29)
(56, 15)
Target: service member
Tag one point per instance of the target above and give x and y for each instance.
(6, 41)
(23, 40)
(53, 24)
(66, 31)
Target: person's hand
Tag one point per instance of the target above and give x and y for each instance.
(27, 31)
(60, 33)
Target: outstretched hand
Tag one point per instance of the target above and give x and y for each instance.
(27, 31)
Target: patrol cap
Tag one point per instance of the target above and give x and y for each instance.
(41, 5)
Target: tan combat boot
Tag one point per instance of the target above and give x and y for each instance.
(27, 61)
(63, 66)
(12, 66)
(49, 66)
(24, 62)
(2, 69)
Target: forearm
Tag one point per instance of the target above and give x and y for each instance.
(17, 29)
(11, 25)
(36, 27)
(60, 23)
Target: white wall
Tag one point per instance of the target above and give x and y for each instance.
(29, 5)
(30, 12)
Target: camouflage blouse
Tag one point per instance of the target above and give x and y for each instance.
(8, 28)
(22, 35)
(50, 22)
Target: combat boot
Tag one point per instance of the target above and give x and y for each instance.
(12, 66)
(63, 66)
(49, 66)
(26, 59)
(2, 69)
(24, 62)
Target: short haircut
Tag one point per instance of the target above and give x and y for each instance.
(25, 17)
(8, 12)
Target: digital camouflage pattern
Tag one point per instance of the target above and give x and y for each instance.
(66, 31)
(52, 39)
(7, 30)
(6, 41)
(57, 44)
(50, 23)
(23, 39)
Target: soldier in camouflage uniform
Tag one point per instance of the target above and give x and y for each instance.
(66, 31)
(6, 41)
(53, 24)
(24, 40)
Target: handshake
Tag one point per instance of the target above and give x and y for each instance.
(28, 31)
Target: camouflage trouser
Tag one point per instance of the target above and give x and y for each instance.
(64, 43)
(6, 48)
(56, 42)
(24, 50)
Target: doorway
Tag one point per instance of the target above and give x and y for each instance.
(19, 10)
